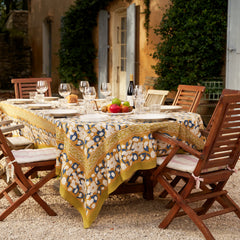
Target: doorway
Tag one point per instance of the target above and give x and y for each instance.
(119, 47)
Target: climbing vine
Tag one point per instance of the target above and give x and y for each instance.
(77, 51)
(147, 13)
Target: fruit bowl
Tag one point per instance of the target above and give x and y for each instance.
(116, 107)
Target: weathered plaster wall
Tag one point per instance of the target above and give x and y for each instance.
(40, 9)
(38, 12)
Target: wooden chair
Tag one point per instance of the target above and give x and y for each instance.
(14, 142)
(208, 170)
(189, 97)
(22, 86)
(155, 97)
(27, 162)
(224, 92)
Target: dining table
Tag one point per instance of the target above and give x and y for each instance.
(100, 151)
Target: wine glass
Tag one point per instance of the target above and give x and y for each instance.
(106, 89)
(64, 89)
(42, 86)
(89, 93)
(139, 91)
(82, 86)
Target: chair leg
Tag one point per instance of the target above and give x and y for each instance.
(180, 203)
(44, 205)
(174, 182)
(29, 191)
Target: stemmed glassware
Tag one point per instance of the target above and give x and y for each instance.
(106, 89)
(64, 89)
(42, 87)
(89, 93)
(82, 86)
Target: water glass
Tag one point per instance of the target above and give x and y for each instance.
(106, 89)
(89, 95)
(82, 86)
(139, 104)
(42, 86)
(155, 108)
(64, 89)
(32, 95)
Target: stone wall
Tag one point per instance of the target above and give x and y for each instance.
(15, 51)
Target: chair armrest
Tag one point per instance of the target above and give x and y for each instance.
(175, 142)
(8, 129)
(204, 132)
(5, 122)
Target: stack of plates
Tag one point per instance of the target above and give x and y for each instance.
(168, 108)
(38, 106)
(61, 113)
(20, 100)
(150, 117)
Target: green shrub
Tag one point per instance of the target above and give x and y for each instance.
(192, 42)
(77, 51)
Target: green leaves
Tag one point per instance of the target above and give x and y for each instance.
(77, 51)
(192, 46)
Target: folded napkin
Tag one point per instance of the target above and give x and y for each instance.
(35, 155)
(18, 141)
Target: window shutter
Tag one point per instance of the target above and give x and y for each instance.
(102, 49)
(131, 40)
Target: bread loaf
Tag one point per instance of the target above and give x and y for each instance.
(72, 98)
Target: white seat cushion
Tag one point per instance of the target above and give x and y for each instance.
(182, 162)
(35, 155)
(18, 141)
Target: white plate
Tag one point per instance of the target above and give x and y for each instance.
(51, 98)
(62, 112)
(73, 104)
(93, 118)
(170, 108)
(117, 114)
(20, 100)
(39, 106)
(158, 116)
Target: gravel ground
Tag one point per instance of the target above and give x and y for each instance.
(122, 217)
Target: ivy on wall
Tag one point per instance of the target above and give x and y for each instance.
(147, 13)
(192, 42)
(77, 51)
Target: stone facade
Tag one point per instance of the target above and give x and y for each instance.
(15, 51)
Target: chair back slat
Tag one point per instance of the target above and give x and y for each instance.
(156, 97)
(22, 86)
(222, 148)
(224, 92)
(189, 97)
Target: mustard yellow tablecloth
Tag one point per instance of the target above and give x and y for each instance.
(97, 157)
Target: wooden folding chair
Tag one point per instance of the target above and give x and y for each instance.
(14, 142)
(224, 92)
(155, 97)
(34, 160)
(208, 170)
(22, 86)
(188, 97)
